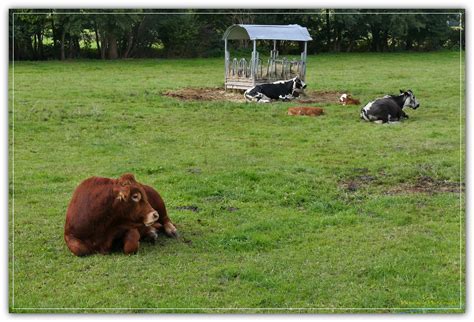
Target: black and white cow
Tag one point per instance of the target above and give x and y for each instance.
(389, 108)
(284, 90)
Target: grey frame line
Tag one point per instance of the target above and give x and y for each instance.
(460, 160)
(232, 12)
(461, 263)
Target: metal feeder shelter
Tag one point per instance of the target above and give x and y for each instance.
(243, 74)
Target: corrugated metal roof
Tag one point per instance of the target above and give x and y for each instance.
(267, 32)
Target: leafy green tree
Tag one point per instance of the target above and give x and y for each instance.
(29, 30)
(67, 28)
(114, 31)
(118, 33)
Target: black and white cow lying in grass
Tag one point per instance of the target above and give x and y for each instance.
(389, 108)
(284, 90)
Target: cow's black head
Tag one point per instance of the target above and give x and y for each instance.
(410, 99)
(298, 86)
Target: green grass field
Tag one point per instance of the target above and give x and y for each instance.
(276, 213)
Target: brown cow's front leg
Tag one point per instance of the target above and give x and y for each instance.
(77, 247)
(150, 233)
(159, 205)
(131, 241)
(170, 229)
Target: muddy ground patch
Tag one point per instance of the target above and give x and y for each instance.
(420, 184)
(429, 185)
(220, 94)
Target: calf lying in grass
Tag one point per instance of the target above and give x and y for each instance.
(309, 111)
(347, 99)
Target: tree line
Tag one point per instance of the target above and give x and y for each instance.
(41, 34)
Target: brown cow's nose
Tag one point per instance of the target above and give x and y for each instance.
(151, 218)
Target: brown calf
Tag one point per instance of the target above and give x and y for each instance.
(309, 111)
(347, 99)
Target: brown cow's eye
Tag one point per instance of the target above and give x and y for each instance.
(136, 197)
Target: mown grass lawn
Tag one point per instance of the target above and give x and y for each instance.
(276, 213)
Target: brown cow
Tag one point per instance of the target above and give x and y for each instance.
(104, 213)
(310, 111)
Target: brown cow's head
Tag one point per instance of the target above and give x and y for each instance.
(131, 199)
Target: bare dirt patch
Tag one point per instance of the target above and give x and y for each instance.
(205, 94)
(192, 208)
(426, 184)
(422, 184)
(219, 94)
(357, 182)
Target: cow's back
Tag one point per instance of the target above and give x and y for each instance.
(88, 207)
(274, 91)
(384, 109)
(390, 106)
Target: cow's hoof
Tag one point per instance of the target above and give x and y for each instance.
(171, 230)
(151, 235)
(130, 252)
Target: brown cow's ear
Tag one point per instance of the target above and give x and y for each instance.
(127, 179)
(137, 196)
